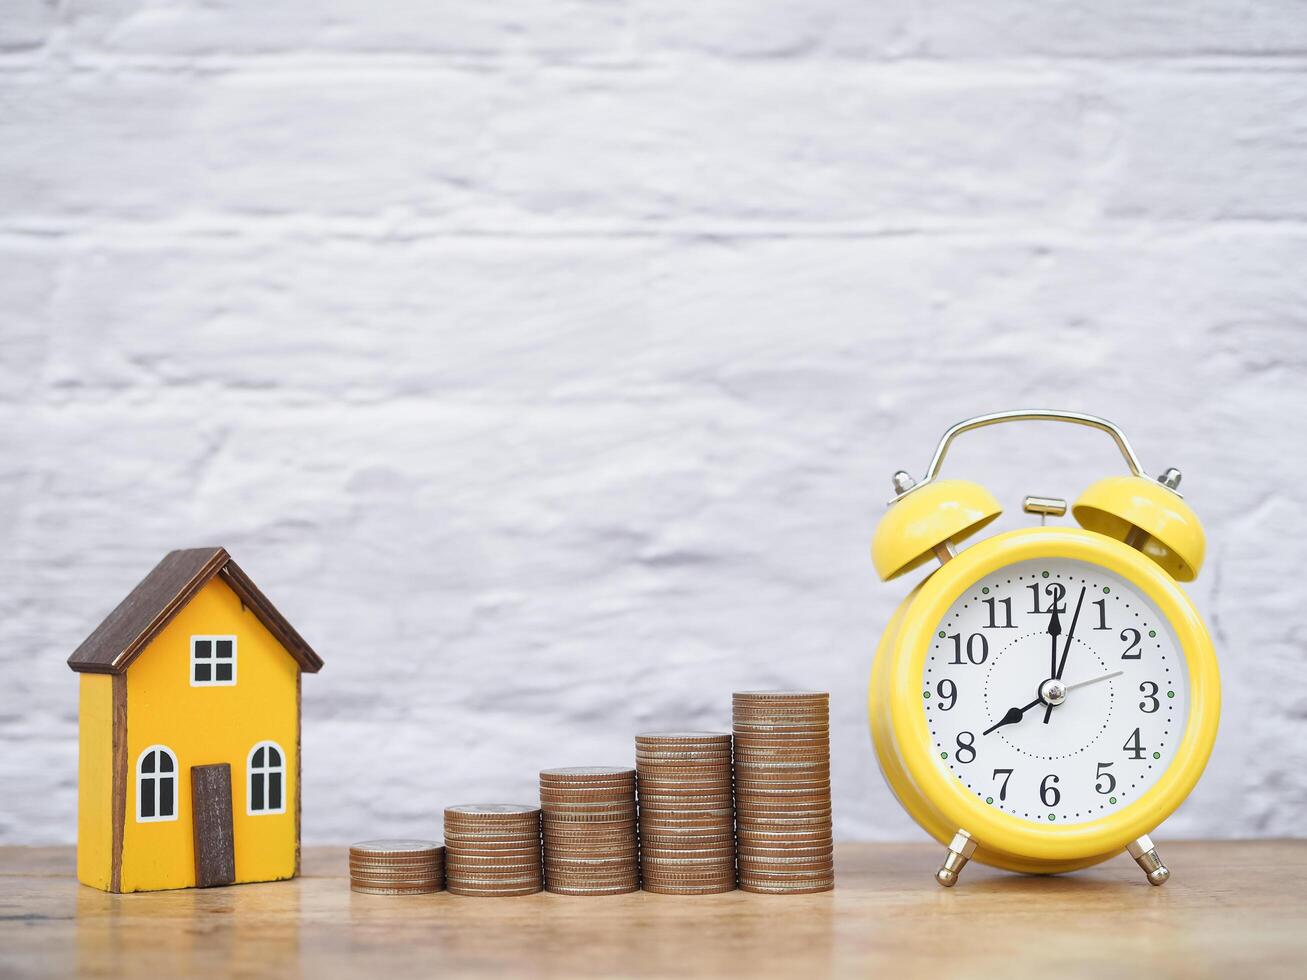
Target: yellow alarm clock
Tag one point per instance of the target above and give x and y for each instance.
(1045, 698)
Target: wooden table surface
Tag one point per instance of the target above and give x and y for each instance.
(1231, 909)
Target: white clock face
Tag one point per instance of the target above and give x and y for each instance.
(1124, 689)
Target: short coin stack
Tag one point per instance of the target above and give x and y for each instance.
(589, 825)
(687, 833)
(397, 867)
(782, 791)
(492, 849)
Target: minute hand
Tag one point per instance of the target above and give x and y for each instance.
(1070, 634)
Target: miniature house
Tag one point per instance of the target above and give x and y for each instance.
(189, 765)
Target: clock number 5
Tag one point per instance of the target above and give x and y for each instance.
(977, 649)
(1105, 788)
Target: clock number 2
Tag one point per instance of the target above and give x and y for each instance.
(1132, 637)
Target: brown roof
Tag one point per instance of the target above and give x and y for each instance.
(162, 594)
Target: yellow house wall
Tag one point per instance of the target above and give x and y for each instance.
(205, 725)
(95, 780)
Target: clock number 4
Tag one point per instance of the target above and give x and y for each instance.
(1134, 747)
(977, 649)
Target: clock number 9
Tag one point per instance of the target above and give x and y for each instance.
(977, 649)
(1149, 696)
(1050, 795)
(947, 691)
(968, 747)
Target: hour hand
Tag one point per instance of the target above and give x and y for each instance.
(1013, 716)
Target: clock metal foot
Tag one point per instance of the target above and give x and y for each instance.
(1145, 855)
(960, 850)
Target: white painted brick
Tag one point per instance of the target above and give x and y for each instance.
(491, 148)
(25, 24)
(548, 27)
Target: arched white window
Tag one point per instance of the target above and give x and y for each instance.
(266, 784)
(156, 785)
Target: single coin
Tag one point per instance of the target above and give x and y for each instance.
(396, 846)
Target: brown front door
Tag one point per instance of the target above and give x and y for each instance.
(215, 852)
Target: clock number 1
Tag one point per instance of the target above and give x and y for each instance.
(1102, 614)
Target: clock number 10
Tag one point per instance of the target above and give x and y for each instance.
(977, 649)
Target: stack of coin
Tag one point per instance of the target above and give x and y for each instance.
(492, 849)
(589, 824)
(782, 791)
(397, 867)
(687, 834)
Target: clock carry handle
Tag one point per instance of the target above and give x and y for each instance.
(1040, 415)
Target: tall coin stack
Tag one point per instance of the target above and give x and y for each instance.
(492, 849)
(589, 825)
(687, 831)
(782, 791)
(397, 867)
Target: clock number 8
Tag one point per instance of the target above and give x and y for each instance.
(967, 745)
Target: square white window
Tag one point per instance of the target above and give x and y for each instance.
(213, 661)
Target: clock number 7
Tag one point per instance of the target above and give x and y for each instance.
(1002, 790)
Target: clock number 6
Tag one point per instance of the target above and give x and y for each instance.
(1050, 795)
(968, 746)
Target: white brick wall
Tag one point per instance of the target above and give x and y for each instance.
(547, 362)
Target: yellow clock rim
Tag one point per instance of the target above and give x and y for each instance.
(998, 831)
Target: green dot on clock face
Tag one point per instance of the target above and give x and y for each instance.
(989, 799)
(926, 695)
(1170, 694)
(943, 755)
(1052, 816)
(1045, 574)
(942, 634)
(1106, 589)
(1152, 632)
(1157, 755)
(985, 590)
(1111, 799)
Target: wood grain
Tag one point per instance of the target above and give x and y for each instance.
(1232, 909)
(215, 853)
(118, 802)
